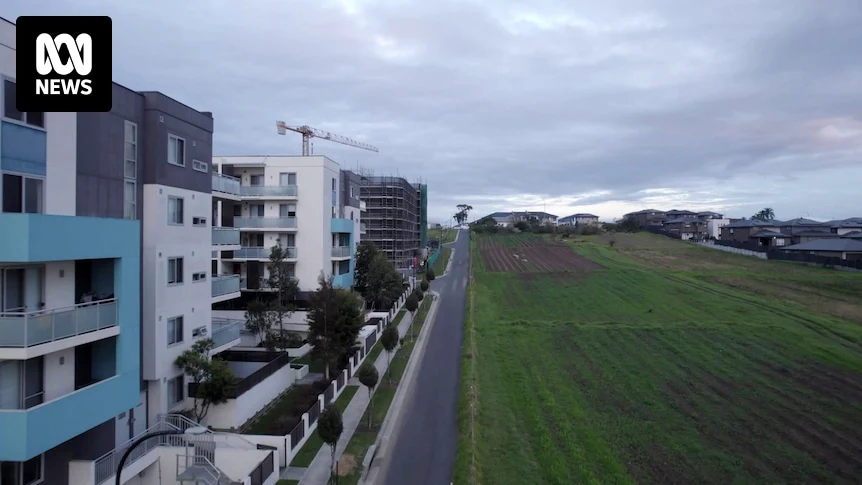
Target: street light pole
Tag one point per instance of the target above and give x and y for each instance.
(197, 430)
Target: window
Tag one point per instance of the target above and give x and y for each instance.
(175, 271)
(175, 330)
(256, 180)
(29, 472)
(352, 191)
(199, 221)
(130, 195)
(237, 210)
(200, 166)
(201, 276)
(176, 151)
(286, 210)
(334, 197)
(175, 210)
(9, 110)
(131, 150)
(22, 194)
(286, 178)
(255, 210)
(176, 388)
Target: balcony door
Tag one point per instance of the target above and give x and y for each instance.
(255, 210)
(21, 289)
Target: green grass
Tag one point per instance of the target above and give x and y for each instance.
(287, 482)
(315, 366)
(312, 445)
(363, 438)
(442, 260)
(443, 236)
(651, 371)
(283, 406)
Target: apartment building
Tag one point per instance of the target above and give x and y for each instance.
(396, 217)
(306, 203)
(70, 316)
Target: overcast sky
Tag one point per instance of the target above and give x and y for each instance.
(569, 105)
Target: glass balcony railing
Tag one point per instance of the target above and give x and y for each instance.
(265, 222)
(269, 190)
(26, 329)
(225, 331)
(361, 228)
(225, 236)
(226, 184)
(362, 206)
(262, 253)
(225, 285)
(341, 252)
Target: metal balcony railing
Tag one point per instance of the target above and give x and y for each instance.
(262, 253)
(225, 330)
(341, 252)
(269, 190)
(265, 222)
(25, 329)
(225, 284)
(225, 236)
(226, 184)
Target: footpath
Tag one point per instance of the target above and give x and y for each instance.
(319, 471)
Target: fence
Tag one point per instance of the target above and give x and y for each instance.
(799, 257)
(432, 258)
(275, 361)
(742, 245)
(735, 250)
(300, 433)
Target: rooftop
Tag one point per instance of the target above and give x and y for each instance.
(835, 244)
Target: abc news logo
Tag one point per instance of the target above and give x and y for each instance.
(72, 69)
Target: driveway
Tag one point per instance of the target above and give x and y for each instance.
(423, 445)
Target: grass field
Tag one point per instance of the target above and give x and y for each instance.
(657, 361)
(443, 235)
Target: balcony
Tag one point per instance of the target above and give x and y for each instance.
(362, 206)
(265, 222)
(342, 280)
(225, 331)
(362, 228)
(341, 252)
(27, 329)
(269, 191)
(341, 225)
(224, 285)
(261, 253)
(225, 236)
(225, 184)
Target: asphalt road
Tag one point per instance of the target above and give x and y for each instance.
(423, 445)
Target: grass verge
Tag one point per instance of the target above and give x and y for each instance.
(381, 400)
(287, 482)
(312, 446)
(442, 260)
(468, 402)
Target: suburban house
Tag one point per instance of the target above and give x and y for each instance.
(755, 232)
(648, 217)
(839, 247)
(687, 227)
(578, 219)
(675, 214)
(506, 219)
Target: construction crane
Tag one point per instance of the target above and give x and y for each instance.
(308, 133)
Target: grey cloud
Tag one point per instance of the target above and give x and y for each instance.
(505, 103)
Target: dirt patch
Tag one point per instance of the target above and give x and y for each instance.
(346, 465)
(546, 258)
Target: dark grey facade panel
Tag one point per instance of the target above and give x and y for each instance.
(86, 446)
(100, 160)
(349, 179)
(164, 117)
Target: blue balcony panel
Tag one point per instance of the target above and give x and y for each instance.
(343, 280)
(342, 225)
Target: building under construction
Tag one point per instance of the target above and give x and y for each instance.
(396, 217)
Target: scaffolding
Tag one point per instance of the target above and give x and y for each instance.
(393, 217)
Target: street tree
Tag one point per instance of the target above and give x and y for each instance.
(424, 284)
(334, 319)
(384, 283)
(368, 377)
(365, 254)
(212, 377)
(411, 305)
(389, 340)
(329, 429)
(429, 275)
(286, 288)
(420, 295)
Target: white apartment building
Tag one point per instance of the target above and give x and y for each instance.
(308, 204)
